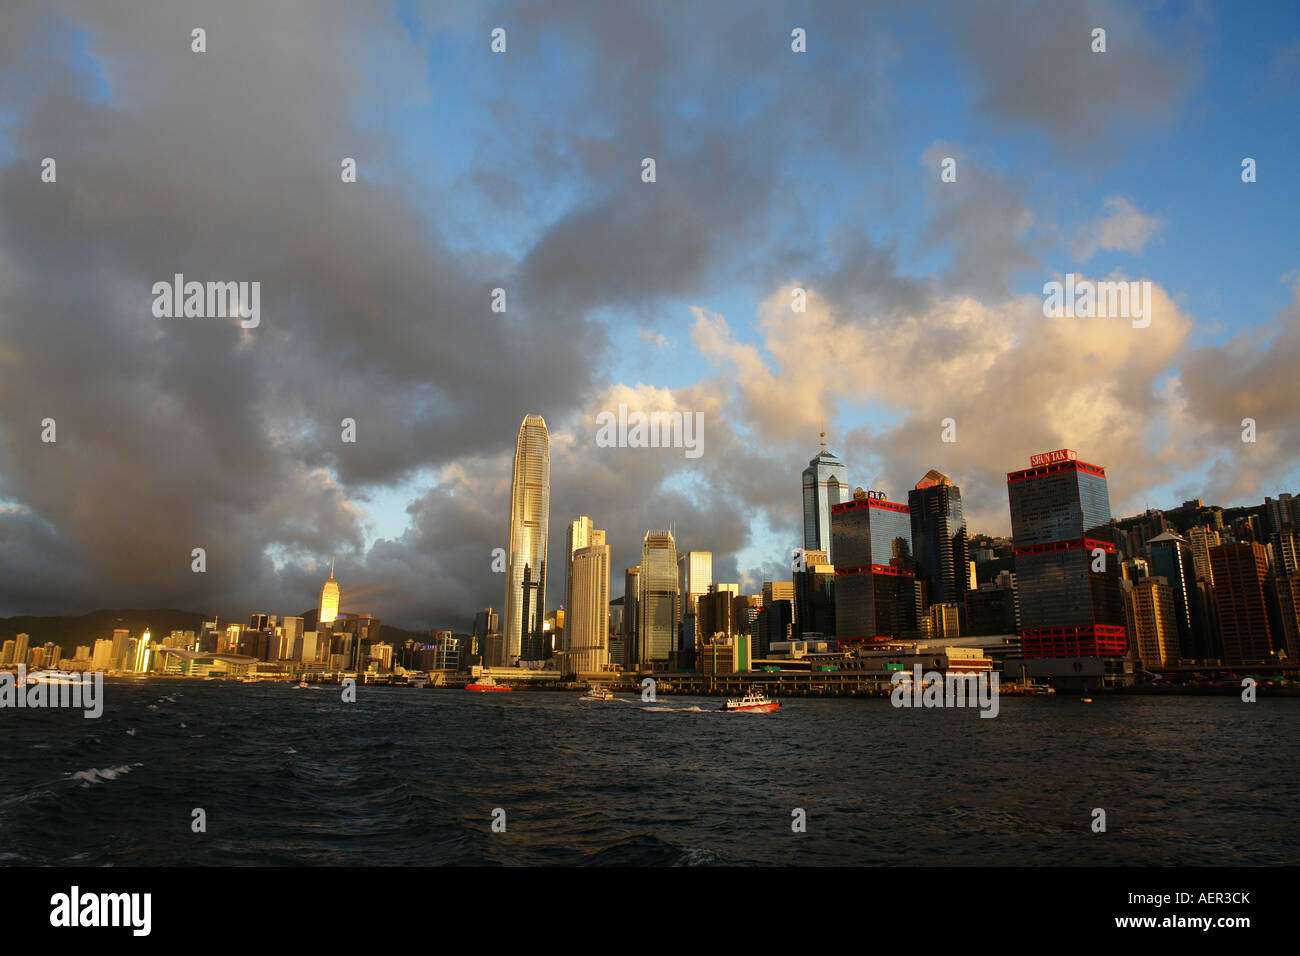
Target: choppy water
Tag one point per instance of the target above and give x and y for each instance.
(408, 776)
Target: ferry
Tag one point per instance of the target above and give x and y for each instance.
(754, 702)
(598, 692)
(303, 685)
(486, 684)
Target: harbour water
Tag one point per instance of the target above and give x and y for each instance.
(403, 776)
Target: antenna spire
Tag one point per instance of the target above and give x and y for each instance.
(823, 436)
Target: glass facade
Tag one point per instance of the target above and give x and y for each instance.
(659, 606)
(869, 531)
(1060, 502)
(530, 510)
(825, 483)
(875, 585)
(939, 539)
(1070, 600)
(814, 602)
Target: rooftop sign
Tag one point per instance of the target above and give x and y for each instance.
(1052, 457)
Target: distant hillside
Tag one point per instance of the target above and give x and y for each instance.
(70, 631)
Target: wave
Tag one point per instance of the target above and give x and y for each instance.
(679, 710)
(95, 775)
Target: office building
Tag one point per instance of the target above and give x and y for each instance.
(330, 599)
(586, 622)
(530, 509)
(825, 484)
(814, 597)
(875, 581)
(659, 603)
(1067, 566)
(939, 544)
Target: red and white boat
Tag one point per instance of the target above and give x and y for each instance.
(754, 702)
(486, 684)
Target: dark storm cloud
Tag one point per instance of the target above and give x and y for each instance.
(224, 165)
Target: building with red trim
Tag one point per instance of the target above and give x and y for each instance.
(1067, 566)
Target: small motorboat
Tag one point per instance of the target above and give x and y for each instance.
(754, 702)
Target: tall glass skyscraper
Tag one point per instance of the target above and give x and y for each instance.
(530, 512)
(825, 483)
(1060, 515)
(659, 607)
(329, 600)
(939, 539)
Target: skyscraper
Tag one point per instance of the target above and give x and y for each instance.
(1070, 601)
(586, 621)
(1202, 539)
(20, 648)
(659, 606)
(875, 581)
(694, 575)
(530, 512)
(939, 539)
(329, 600)
(1171, 559)
(1240, 572)
(631, 616)
(825, 483)
(1150, 610)
(814, 597)
(577, 536)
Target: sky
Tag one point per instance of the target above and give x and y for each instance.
(775, 170)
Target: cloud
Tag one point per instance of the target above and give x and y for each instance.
(1124, 230)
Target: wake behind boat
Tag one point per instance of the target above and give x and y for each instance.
(754, 702)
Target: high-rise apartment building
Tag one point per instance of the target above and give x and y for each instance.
(659, 604)
(825, 484)
(1150, 608)
(1067, 566)
(530, 509)
(1240, 576)
(102, 657)
(1201, 540)
(20, 648)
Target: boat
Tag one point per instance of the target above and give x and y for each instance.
(754, 702)
(303, 685)
(1086, 700)
(598, 692)
(486, 684)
